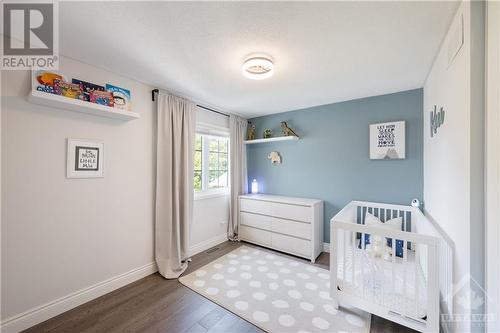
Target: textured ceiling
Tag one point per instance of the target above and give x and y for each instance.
(324, 52)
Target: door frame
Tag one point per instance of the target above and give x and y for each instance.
(492, 184)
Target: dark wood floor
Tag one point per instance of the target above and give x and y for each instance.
(154, 304)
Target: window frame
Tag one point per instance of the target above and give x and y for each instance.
(205, 133)
(218, 152)
(201, 164)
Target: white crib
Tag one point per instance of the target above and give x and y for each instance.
(405, 289)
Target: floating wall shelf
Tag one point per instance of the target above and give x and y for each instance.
(279, 138)
(76, 105)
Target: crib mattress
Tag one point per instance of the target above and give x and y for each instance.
(399, 285)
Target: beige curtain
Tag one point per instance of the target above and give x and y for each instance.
(174, 183)
(238, 171)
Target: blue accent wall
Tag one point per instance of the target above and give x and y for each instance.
(331, 160)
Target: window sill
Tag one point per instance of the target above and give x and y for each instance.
(202, 195)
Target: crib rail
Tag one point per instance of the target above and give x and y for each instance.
(403, 285)
(414, 221)
(426, 225)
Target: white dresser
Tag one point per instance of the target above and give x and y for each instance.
(292, 225)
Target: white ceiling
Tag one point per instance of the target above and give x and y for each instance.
(324, 52)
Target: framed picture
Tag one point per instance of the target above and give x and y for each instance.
(387, 141)
(85, 159)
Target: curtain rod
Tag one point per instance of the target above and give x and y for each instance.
(155, 91)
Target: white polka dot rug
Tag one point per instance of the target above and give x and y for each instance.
(274, 293)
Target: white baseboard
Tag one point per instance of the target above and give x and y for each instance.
(205, 245)
(326, 247)
(41, 313)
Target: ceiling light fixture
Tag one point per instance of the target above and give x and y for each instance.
(258, 68)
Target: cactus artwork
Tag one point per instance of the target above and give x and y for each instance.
(437, 119)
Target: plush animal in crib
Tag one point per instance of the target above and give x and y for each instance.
(275, 157)
(378, 248)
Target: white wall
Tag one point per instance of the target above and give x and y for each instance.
(493, 165)
(211, 213)
(446, 155)
(477, 142)
(210, 218)
(66, 241)
(453, 159)
(61, 235)
(54, 228)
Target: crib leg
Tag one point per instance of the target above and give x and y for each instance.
(335, 304)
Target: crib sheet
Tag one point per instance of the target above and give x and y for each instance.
(399, 285)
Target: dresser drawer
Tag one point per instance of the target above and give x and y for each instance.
(292, 212)
(255, 206)
(256, 221)
(291, 244)
(292, 228)
(255, 235)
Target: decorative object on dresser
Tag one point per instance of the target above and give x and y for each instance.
(268, 133)
(287, 224)
(275, 157)
(387, 141)
(255, 186)
(287, 131)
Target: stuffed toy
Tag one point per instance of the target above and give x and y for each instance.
(378, 248)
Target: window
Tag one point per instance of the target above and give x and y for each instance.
(210, 162)
(198, 163)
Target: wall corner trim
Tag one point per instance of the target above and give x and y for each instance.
(41, 313)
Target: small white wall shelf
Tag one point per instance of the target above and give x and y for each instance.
(76, 105)
(279, 138)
